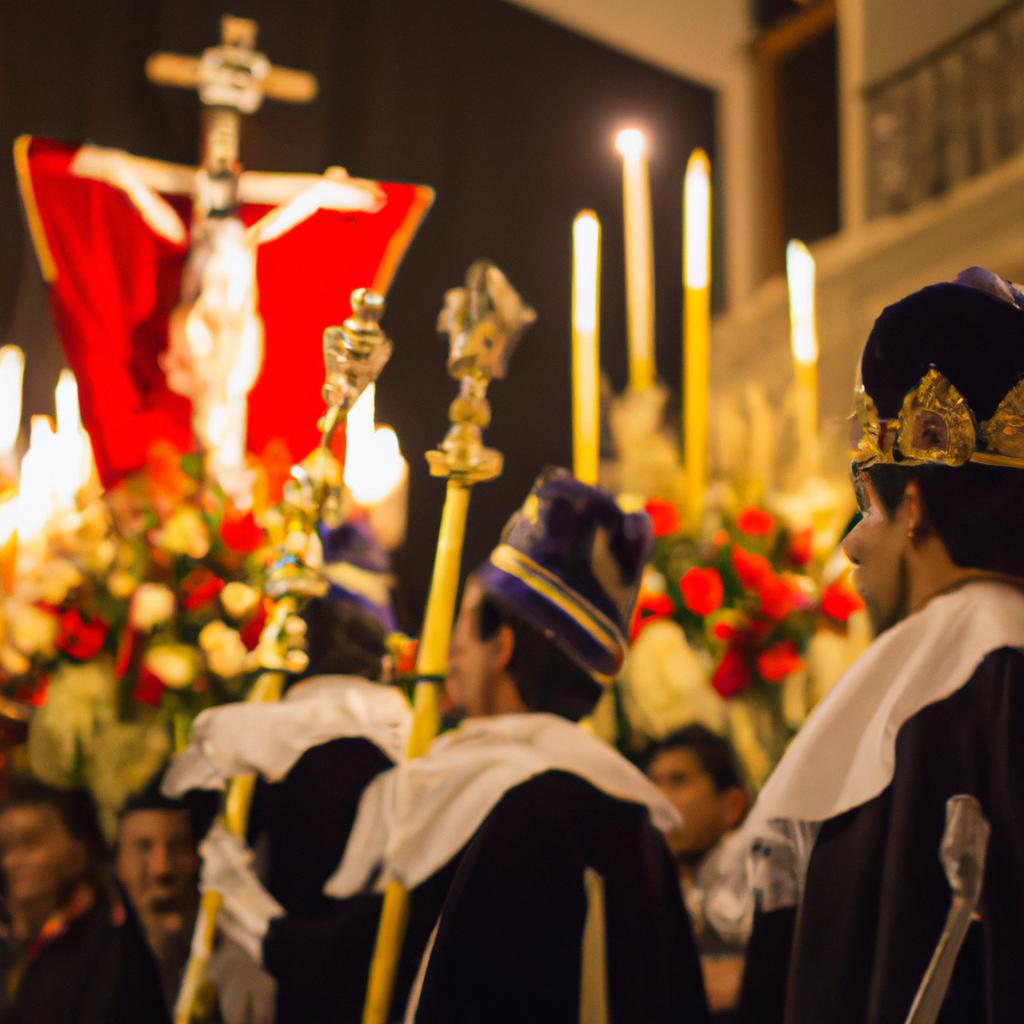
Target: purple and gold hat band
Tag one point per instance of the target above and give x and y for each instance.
(582, 630)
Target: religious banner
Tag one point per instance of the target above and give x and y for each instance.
(112, 232)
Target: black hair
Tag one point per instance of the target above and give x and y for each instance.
(74, 807)
(974, 509)
(546, 678)
(200, 805)
(714, 754)
(342, 639)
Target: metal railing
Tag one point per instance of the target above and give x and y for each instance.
(948, 117)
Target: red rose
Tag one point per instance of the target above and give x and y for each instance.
(777, 598)
(778, 661)
(149, 689)
(731, 674)
(756, 522)
(801, 546)
(839, 602)
(664, 517)
(80, 638)
(199, 588)
(649, 608)
(752, 569)
(39, 694)
(702, 590)
(241, 532)
(252, 629)
(125, 650)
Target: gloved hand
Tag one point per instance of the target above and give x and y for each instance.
(247, 908)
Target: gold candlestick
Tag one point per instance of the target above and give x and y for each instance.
(483, 321)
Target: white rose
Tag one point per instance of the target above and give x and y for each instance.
(32, 630)
(185, 533)
(152, 605)
(667, 683)
(175, 665)
(224, 649)
(238, 599)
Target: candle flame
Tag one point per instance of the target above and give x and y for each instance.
(630, 142)
(73, 449)
(586, 244)
(39, 489)
(374, 466)
(697, 220)
(12, 372)
(800, 272)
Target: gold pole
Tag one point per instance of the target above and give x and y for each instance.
(483, 320)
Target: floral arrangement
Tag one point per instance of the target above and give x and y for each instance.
(133, 612)
(726, 631)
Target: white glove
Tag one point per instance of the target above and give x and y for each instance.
(248, 908)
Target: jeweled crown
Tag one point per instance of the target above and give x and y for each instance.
(936, 426)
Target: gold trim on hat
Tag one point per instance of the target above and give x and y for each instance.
(545, 583)
(936, 426)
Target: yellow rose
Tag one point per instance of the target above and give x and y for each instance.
(175, 665)
(13, 662)
(224, 649)
(238, 600)
(32, 630)
(57, 578)
(185, 533)
(121, 583)
(152, 605)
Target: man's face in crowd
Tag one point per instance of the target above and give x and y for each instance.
(39, 857)
(707, 813)
(877, 546)
(157, 863)
(474, 664)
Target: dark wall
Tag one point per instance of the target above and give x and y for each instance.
(508, 116)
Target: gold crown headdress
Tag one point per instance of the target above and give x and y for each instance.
(936, 426)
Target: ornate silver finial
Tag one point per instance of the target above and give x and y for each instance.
(354, 355)
(484, 321)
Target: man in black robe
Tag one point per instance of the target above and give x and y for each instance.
(852, 820)
(337, 728)
(565, 905)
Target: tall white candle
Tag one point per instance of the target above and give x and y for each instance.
(586, 298)
(636, 205)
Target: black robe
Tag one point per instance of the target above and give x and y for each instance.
(509, 941)
(98, 971)
(876, 896)
(317, 952)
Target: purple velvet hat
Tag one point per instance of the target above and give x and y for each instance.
(358, 570)
(570, 562)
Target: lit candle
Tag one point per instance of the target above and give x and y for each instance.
(586, 312)
(12, 372)
(804, 344)
(636, 205)
(73, 447)
(38, 493)
(8, 540)
(376, 473)
(696, 328)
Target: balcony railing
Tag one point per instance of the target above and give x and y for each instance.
(949, 116)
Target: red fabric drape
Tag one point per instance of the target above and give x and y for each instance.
(114, 281)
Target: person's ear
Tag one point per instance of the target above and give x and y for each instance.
(734, 806)
(504, 645)
(914, 509)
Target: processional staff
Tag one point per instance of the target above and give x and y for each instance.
(483, 321)
(354, 356)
